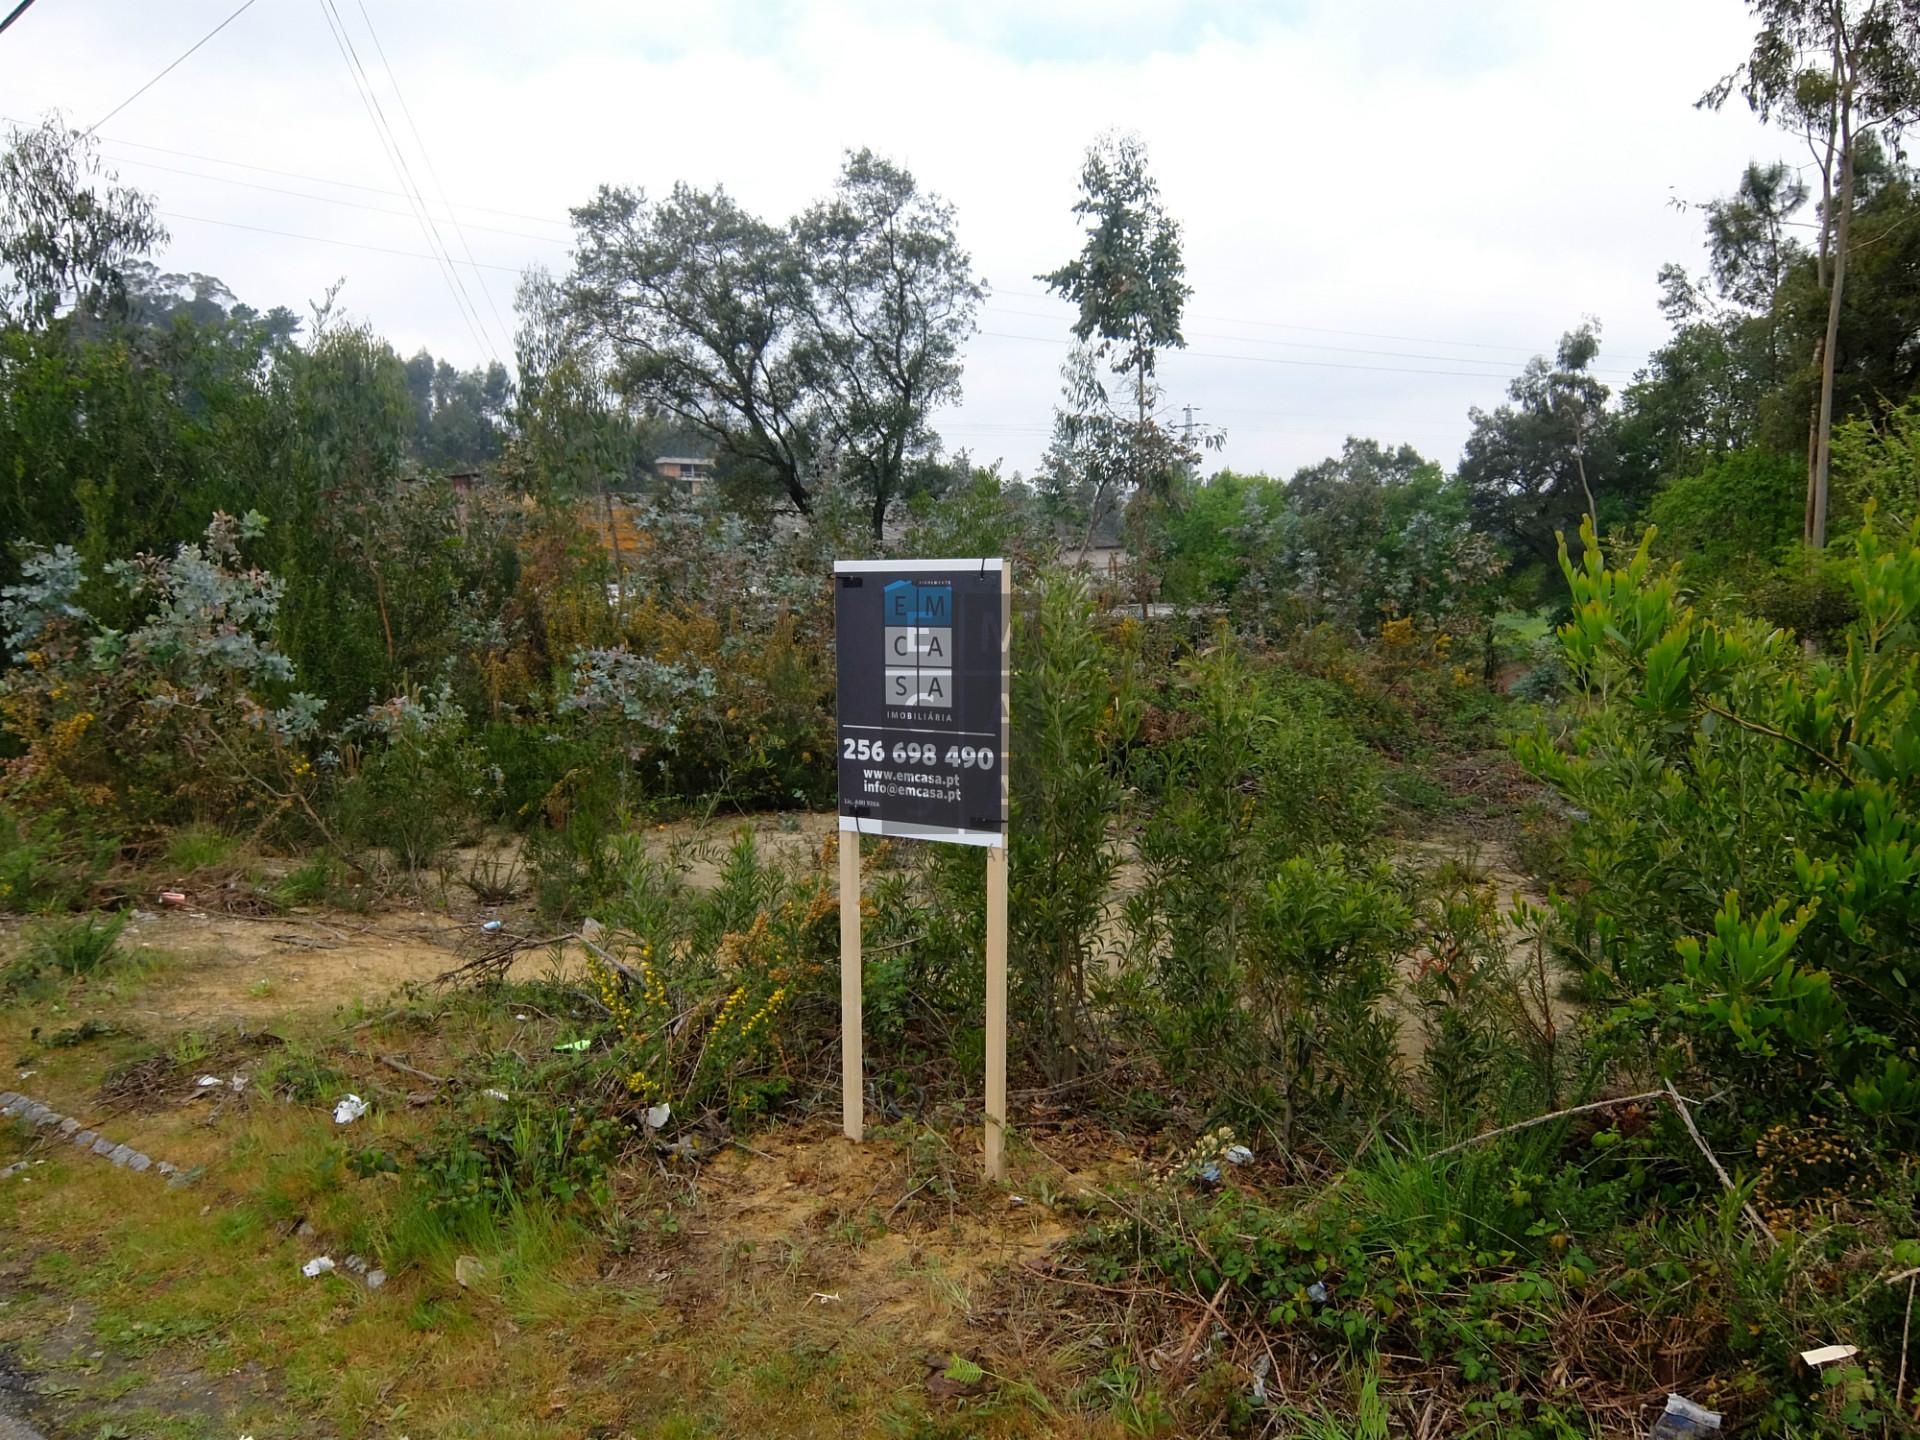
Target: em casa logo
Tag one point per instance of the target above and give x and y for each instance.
(919, 645)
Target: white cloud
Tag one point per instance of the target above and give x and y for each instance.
(1470, 178)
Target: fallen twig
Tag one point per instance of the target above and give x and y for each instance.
(1551, 1116)
(906, 1197)
(502, 955)
(406, 1069)
(1200, 1327)
(1906, 1331)
(1746, 1206)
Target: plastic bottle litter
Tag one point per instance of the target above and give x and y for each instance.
(1682, 1418)
(319, 1265)
(350, 1109)
(496, 1094)
(574, 1045)
(1238, 1155)
(492, 927)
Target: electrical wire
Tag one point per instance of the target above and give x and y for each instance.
(14, 14)
(1308, 345)
(1325, 330)
(390, 146)
(245, 6)
(433, 171)
(1277, 360)
(329, 240)
(324, 199)
(313, 179)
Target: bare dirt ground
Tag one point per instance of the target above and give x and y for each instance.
(243, 969)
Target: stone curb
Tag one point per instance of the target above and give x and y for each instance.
(41, 1117)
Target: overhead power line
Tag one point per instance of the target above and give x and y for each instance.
(432, 170)
(312, 179)
(1277, 360)
(329, 240)
(1310, 345)
(1327, 330)
(245, 6)
(14, 14)
(325, 199)
(390, 145)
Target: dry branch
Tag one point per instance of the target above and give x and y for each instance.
(1746, 1206)
(1550, 1116)
(406, 1069)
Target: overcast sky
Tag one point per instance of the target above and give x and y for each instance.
(1388, 204)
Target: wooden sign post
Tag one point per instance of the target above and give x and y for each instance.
(924, 724)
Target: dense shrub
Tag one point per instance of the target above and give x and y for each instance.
(189, 714)
(1758, 807)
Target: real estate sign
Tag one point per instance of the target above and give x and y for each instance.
(922, 651)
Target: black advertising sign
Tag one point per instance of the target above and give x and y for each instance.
(922, 650)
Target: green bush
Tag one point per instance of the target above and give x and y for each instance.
(50, 861)
(70, 949)
(1742, 512)
(1760, 808)
(414, 783)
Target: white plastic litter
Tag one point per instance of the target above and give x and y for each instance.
(492, 927)
(319, 1265)
(1262, 1368)
(1827, 1354)
(496, 1094)
(207, 1082)
(350, 1109)
(1238, 1155)
(658, 1115)
(1683, 1417)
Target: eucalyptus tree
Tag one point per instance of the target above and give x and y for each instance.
(1841, 74)
(1129, 279)
(68, 229)
(1129, 284)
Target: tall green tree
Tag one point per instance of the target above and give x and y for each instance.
(1841, 74)
(813, 350)
(698, 308)
(891, 299)
(1129, 279)
(1129, 283)
(68, 228)
(1533, 466)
